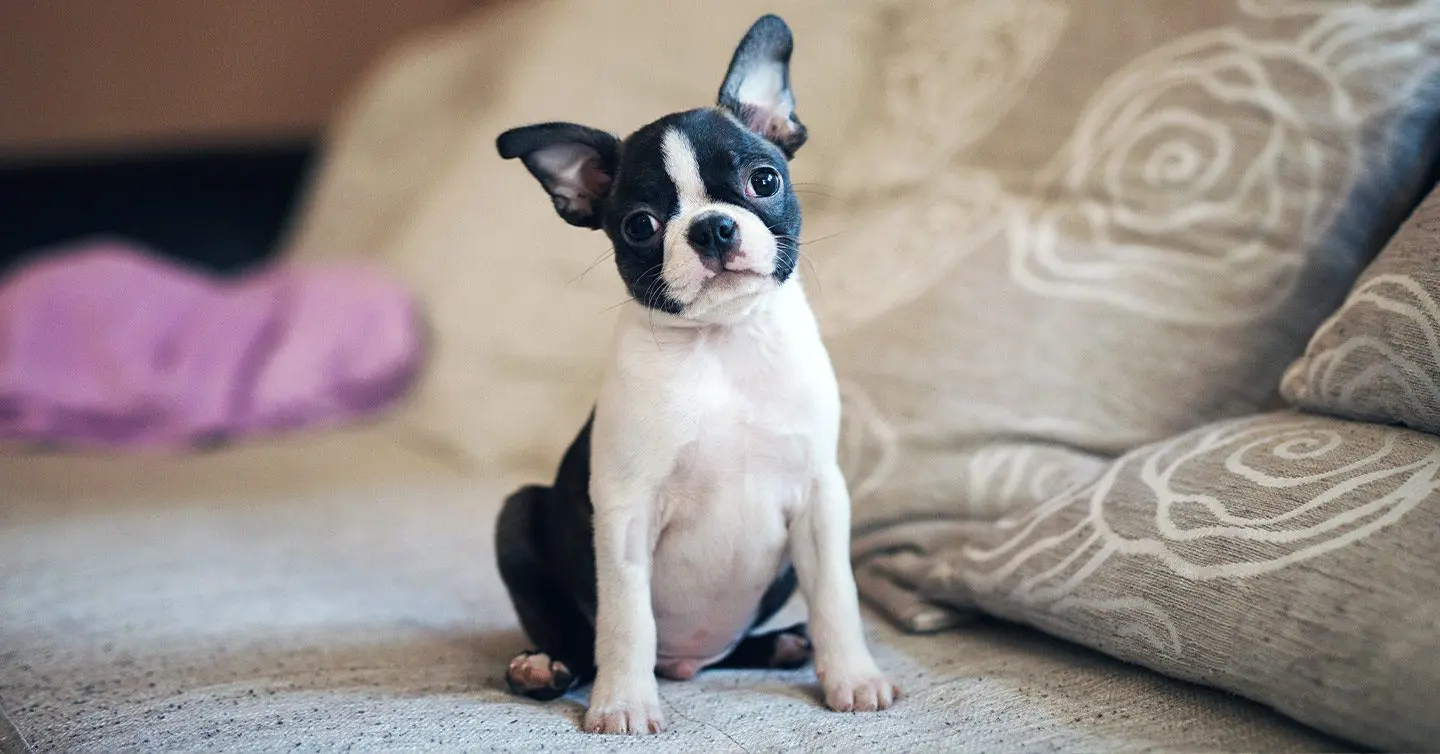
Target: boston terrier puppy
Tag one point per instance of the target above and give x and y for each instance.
(704, 486)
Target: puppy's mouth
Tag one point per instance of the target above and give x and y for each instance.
(725, 276)
(716, 267)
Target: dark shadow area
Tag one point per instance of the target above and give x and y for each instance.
(219, 209)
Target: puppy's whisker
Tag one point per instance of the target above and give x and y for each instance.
(652, 289)
(653, 335)
(828, 197)
(607, 255)
(814, 271)
(829, 192)
(609, 309)
(650, 322)
(814, 241)
(651, 292)
(786, 239)
(814, 275)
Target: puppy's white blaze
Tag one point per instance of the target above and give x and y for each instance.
(682, 271)
(683, 169)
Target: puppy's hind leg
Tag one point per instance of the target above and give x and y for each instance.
(785, 649)
(564, 639)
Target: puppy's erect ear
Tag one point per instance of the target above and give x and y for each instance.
(757, 88)
(575, 164)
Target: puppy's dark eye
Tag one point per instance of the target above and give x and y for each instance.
(640, 227)
(764, 182)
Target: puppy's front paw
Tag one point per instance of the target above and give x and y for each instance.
(863, 689)
(635, 712)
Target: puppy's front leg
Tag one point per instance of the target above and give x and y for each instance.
(820, 549)
(625, 698)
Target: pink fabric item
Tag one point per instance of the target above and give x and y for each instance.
(110, 346)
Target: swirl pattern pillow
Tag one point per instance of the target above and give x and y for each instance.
(1292, 559)
(1063, 230)
(1378, 358)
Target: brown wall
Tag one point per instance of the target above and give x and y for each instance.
(121, 74)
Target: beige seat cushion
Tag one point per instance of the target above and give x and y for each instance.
(339, 593)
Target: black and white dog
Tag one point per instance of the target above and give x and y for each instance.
(704, 486)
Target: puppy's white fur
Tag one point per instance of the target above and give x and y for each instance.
(713, 464)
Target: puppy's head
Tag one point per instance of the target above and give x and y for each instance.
(698, 204)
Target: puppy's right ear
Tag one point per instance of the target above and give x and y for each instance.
(575, 164)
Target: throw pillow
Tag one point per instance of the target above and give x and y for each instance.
(1378, 358)
(1291, 559)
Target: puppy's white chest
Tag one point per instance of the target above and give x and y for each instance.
(738, 422)
(755, 424)
(723, 515)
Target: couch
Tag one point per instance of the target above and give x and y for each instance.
(1125, 382)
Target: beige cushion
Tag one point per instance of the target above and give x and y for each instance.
(1287, 558)
(339, 593)
(1378, 358)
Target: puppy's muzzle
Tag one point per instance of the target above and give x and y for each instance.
(715, 237)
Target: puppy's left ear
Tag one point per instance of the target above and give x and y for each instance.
(757, 87)
(576, 165)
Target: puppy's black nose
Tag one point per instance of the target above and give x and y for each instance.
(713, 234)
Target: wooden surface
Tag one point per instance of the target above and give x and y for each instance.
(87, 76)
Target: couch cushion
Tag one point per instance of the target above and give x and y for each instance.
(1291, 559)
(333, 595)
(1378, 358)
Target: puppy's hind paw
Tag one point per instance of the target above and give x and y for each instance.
(535, 675)
(792, 650)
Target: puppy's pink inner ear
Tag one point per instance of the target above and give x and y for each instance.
(575, 172)
(771, 124)
(756, 94)
(766, 106)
